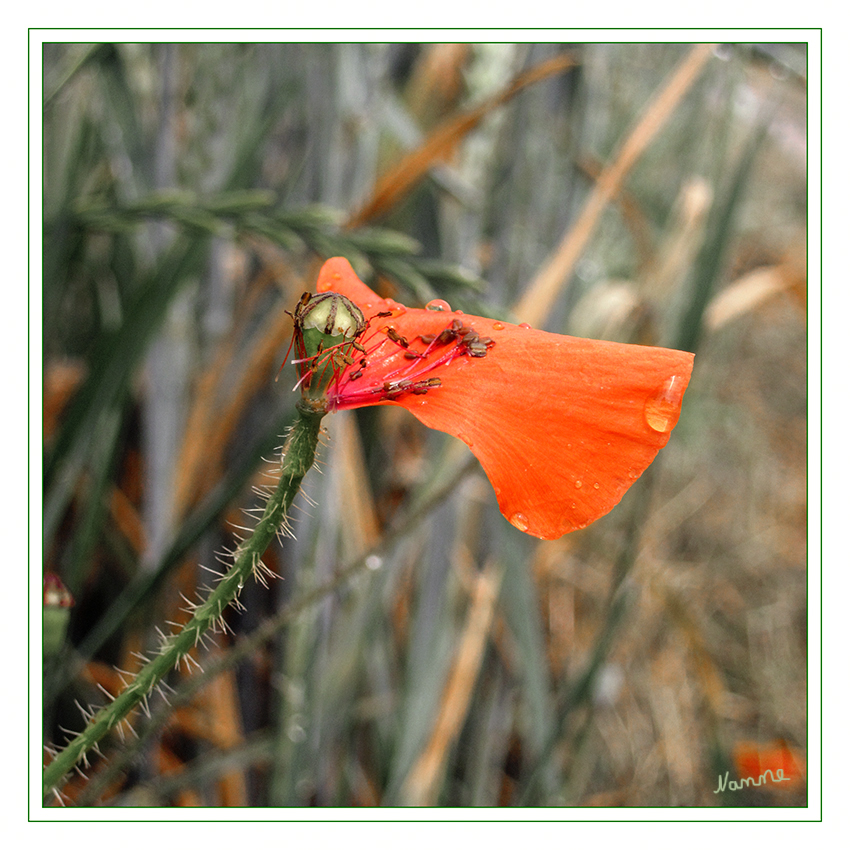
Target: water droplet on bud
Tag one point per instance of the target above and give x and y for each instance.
(519, 521)
(525, 326)
(662, 410)
(498, 326)
(439, 305)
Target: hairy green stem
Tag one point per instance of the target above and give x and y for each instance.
(298, 455)
(443, 482)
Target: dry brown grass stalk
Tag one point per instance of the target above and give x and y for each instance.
(400, 180)
(535, 304)
(423, 782)
(752, 290)
(218, 407)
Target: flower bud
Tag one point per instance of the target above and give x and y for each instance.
(56, 614)
(326, 327)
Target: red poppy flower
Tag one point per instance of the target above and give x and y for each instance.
(752, 760)
(562, 426)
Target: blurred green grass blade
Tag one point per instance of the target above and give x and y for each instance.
(71, 67)
(294, 721)
(720, 234)
(489, 741)
(408, 276)
(113, 360)
(253, 132)
(131, 144)
(206, 769)
(576, 694)
(429, 653)
(521, 608)
(95, 502)
(357, 624)
(66, 172)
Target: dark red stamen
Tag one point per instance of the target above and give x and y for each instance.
(395, 336)
(456, 340)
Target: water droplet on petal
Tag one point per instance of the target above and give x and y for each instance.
(595, 485)
(525, 326)
(438, 304)
(498, 326)
(661, 410)
(578, 484)
(462, 435)
(519, 521)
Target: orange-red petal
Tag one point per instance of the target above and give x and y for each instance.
(562, 426)
(752, 759)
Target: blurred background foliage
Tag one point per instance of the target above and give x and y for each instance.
(420, 650)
